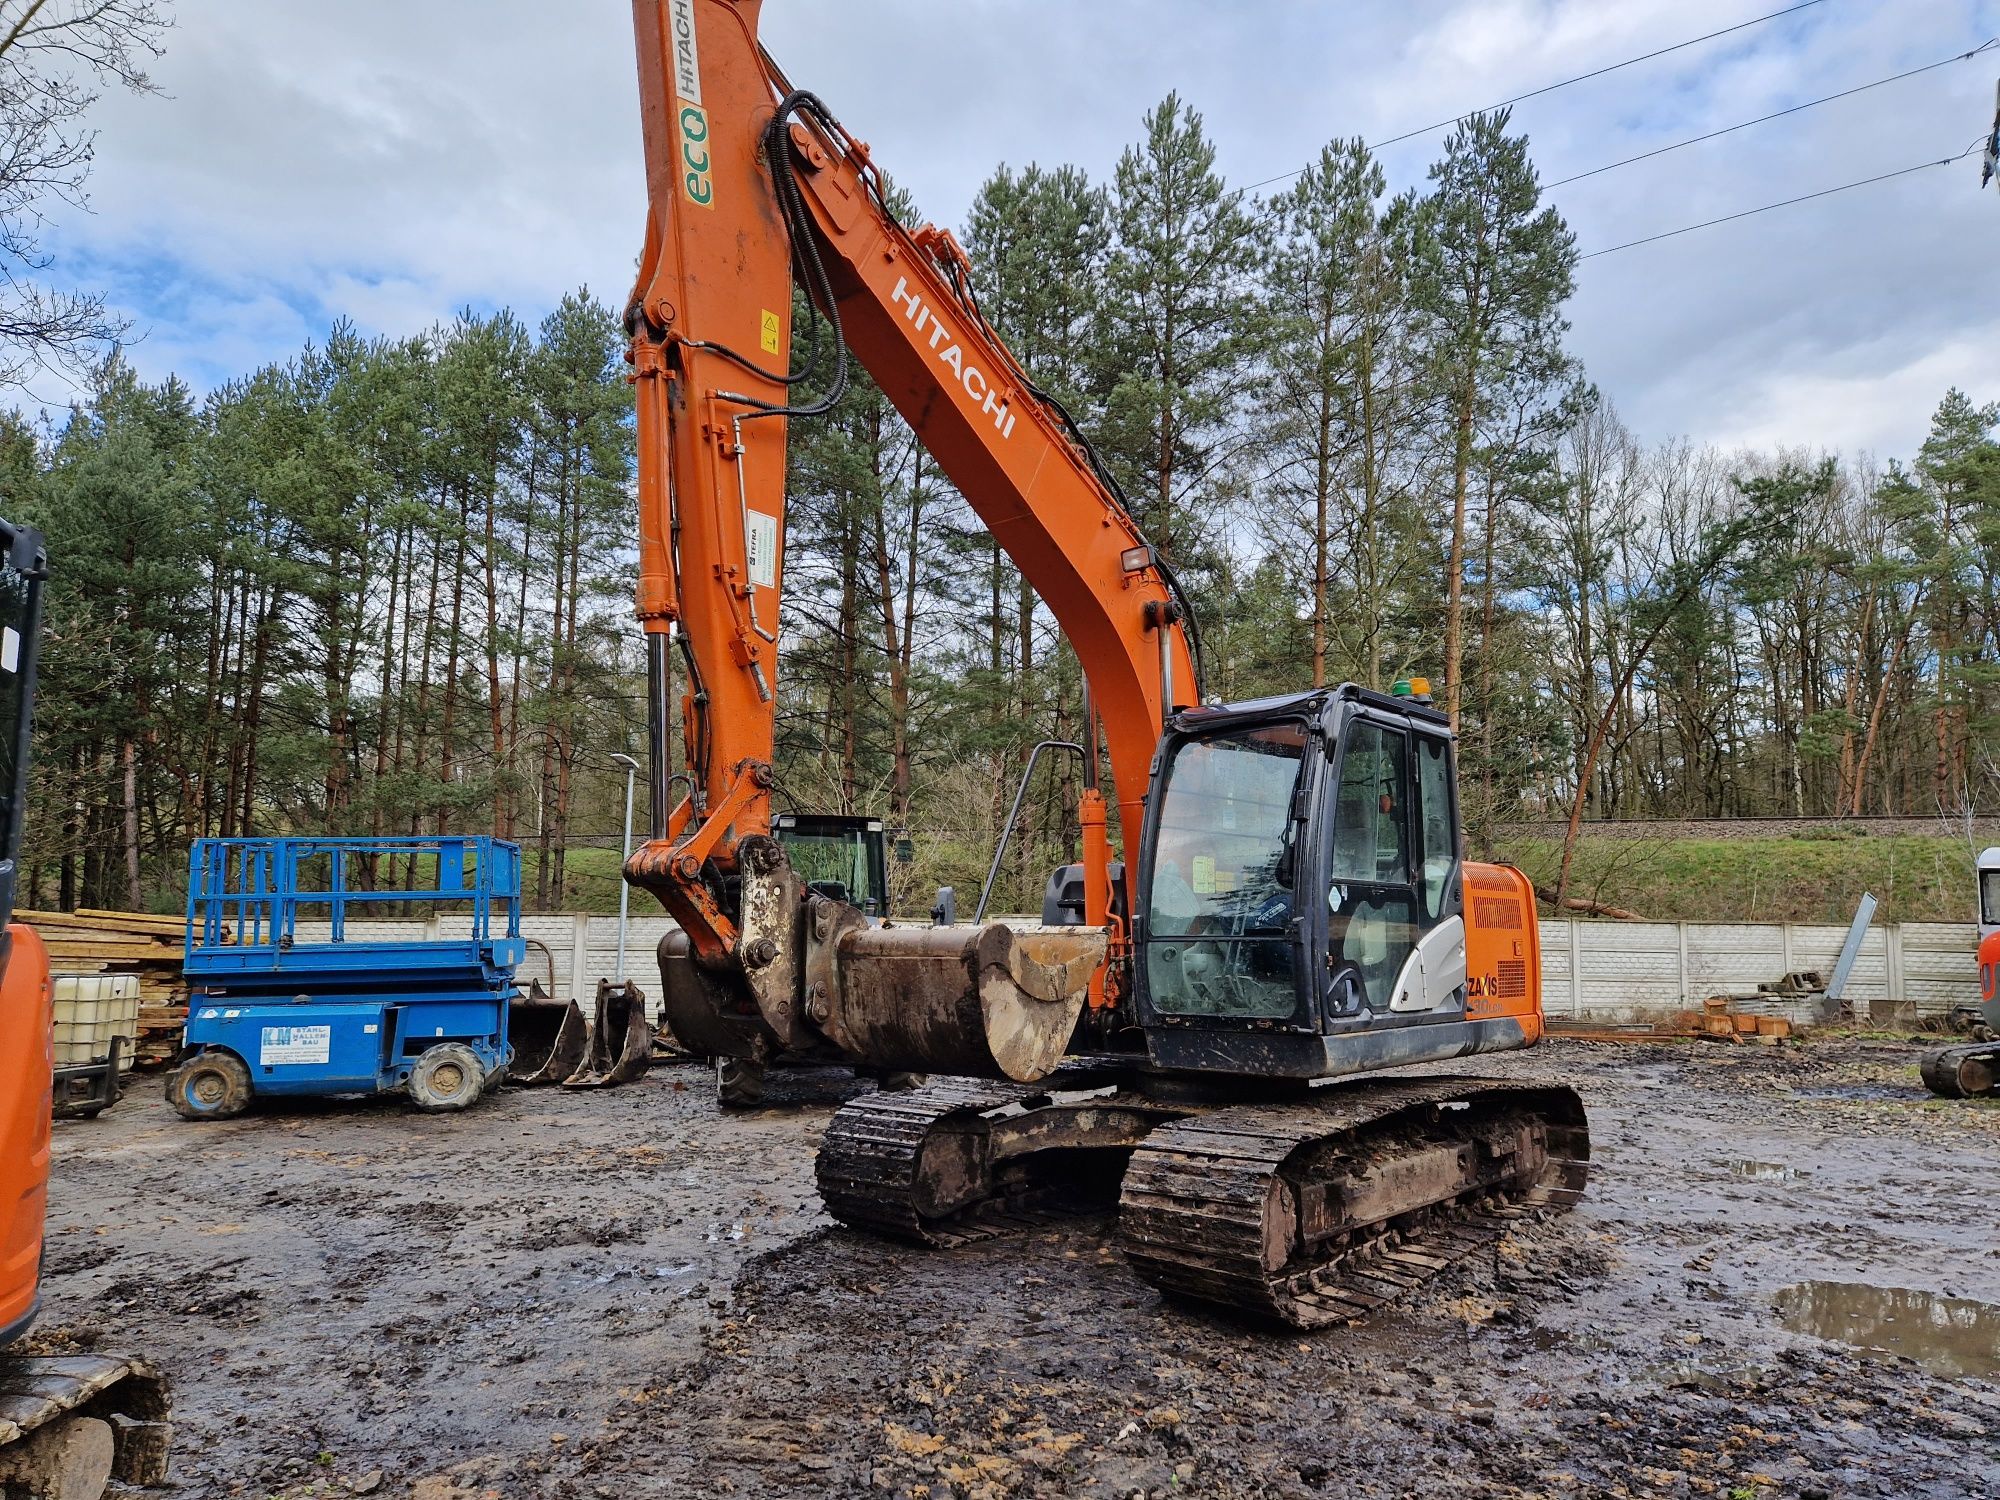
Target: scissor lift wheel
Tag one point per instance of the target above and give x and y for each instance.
(209, 1086)
(447, 1077)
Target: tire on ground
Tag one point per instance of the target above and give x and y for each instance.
(447, 1077)
(739, 1082)
(209, 1086)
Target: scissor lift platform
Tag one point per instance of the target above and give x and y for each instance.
(274, 1012)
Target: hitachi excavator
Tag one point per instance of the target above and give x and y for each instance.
(1195, 1025)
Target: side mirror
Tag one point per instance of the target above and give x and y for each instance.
(944, 911)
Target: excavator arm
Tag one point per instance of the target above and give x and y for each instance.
(754, 186)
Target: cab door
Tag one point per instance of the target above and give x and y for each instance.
(1395, 941)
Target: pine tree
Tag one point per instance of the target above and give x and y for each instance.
(1334, 292)
(1040, 247)
(1955, 532)
(1183, 331)
(1490, 271)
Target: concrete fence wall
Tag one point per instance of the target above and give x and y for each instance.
(568, 954)
(1613, 971)
(1607, 971)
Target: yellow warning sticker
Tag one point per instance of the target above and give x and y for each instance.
(773, 331)
(1204, 874)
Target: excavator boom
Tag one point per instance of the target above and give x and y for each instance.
(755, 186)
(751, 180)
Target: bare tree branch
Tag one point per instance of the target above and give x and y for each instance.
(56, 57)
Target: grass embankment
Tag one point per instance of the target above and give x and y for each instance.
(1812, 876)
(591, 880)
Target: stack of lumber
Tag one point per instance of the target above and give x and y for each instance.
(1722, 1017)
(95, 941)
(1717, 1020)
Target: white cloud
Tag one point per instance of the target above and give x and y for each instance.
(1858, 405)
(395, 160)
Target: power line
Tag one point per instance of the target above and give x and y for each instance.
(1696, 140)
(1787, 202)
(1550, 88)
(1600, 72)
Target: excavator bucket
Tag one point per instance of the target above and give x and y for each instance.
(550, 1038)
(992, 1001)
(986, 1002)
(621, 1041)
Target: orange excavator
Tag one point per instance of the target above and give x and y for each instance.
(1197, 1024)
(69, 1424)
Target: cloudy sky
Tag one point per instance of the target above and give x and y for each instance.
(393, 160)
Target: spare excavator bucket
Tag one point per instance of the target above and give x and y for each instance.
(550, 1038)
(621, 1040)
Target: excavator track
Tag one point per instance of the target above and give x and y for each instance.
(1305, 1212)
(963, 1160)
(1321, 1210)
(876, 1173)
(1971, 1071)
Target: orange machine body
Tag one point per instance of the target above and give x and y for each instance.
(1989, 977)
(753, 185)
(27, 1064)
(711, 325)
(1503, 948)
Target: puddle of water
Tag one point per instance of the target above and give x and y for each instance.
(1948, 1336)
(1862, 1091)
(1565, 1341)
(1767, 1171)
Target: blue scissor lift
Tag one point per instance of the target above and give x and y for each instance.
(270, 1013)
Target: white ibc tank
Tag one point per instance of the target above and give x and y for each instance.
(90, 1010)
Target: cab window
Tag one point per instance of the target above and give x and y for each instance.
(1370, 811)
(1438, 854)
(835, 864)
(1225, 858)
(1372, 914)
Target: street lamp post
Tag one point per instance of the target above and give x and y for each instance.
(624, 887)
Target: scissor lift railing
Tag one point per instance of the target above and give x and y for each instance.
(248, 897)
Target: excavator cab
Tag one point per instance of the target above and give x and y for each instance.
(840, 857)
(1303, 895)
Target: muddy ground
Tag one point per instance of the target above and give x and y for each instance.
(624, 1294)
